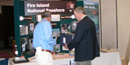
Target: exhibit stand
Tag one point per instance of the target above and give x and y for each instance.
(28, 14)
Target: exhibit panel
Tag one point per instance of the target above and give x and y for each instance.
(29, 15)
(63, 23)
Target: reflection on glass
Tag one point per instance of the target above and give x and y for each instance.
(23, 29)
(31, 27)
(31, 49)
(24, 45)
(27, 46)
(38, 18)
(74, 24)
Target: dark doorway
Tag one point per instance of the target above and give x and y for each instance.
(6, 27)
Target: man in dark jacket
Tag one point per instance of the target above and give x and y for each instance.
(85, 40)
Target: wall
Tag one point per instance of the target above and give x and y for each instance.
(108, 21)
(127, 55)
(123, 26)
(0, 10)
(7, 2)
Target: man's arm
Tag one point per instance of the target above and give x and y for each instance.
(48, 33)
(78, 36)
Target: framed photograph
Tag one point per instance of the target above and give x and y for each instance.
(23, 29)
(55, 32)
(57, 48)
(31, 27)
(38, 18)
(55, 17)
(65, 28)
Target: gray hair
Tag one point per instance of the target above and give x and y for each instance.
(80, 10)
(46, 14)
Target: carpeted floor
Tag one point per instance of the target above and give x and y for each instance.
(6, 53)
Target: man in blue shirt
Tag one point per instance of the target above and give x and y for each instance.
(43, 41)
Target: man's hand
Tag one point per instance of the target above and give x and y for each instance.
(66, 46)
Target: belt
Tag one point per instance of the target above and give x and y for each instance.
(46, 50)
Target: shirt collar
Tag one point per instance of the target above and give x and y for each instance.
(44, 19)
(83, 17)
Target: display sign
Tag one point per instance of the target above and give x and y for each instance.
(92, 10)
(55, 7)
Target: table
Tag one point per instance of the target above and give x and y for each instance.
(109, 58)
(112, 58)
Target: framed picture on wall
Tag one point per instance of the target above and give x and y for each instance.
(55, 32)
(65, 28)
(55, 17)
(23, 29)
(57, 48)
(31, 27)
(38, 18)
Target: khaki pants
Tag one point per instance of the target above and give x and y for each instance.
(83, 63)
(43, 58)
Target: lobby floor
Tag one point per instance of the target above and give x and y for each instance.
(7, 53)
(124, 62)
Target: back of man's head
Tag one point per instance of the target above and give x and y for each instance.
(46, 14)
(80, 10)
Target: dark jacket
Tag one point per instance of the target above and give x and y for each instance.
(85, 41)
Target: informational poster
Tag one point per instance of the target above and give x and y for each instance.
(92, 10)
(55, 7)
